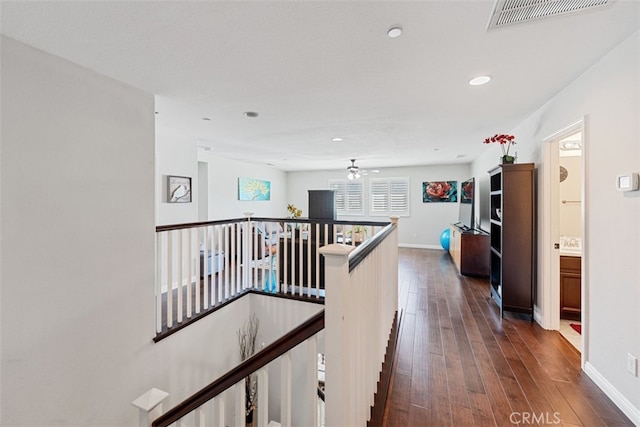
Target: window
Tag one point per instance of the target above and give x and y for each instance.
(349, 196)
(389, 196)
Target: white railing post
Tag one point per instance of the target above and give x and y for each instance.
(337, 319)
(150, 406)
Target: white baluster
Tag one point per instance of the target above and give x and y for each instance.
(299, 259)
(219, 284)
(189, 270)
(285, 390)
(212, 251)
(311, 395)
(223, 262)
(169, 279)
(205, 269)
(180, 275)
(218, 407)
(197, 288)
(240, 404)
(234, 255)
(263, 397)
(200, 420)
(159, 280)
(285, 258)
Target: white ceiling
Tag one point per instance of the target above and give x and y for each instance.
(317, 70)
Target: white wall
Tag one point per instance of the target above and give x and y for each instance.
(176, 156)
(77, 253)
(608, 94)
(77, 242)
(223, 188)
(426, 221)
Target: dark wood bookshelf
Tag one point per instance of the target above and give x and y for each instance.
(513, 237)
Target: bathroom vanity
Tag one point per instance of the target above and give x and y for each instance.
(570, 287)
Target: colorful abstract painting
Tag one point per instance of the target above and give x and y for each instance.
(254, 189)
(440, 191)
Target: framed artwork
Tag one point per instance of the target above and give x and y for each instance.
(178, 189)
(254, 189)
(439, 191)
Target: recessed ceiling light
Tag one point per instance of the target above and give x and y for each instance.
(394, 32)
(337, 139)
(251, 114)
(480, 80)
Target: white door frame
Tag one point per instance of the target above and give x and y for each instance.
(549, 290)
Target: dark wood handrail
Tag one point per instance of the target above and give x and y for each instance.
(367, 247)
(170, 227)
(297, 336)
(197, 224)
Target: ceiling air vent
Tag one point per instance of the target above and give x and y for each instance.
(509, 12)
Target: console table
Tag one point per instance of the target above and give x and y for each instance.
(469, 249)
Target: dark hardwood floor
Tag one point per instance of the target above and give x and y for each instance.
(459, 364)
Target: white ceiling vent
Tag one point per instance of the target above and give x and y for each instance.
(509, 12)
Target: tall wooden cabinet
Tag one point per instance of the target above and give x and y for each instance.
(513, 237)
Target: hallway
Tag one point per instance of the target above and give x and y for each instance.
(459, 364)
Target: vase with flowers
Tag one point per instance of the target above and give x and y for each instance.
(294, 213)
(505, 141)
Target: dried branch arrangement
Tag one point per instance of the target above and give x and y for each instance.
(247, 341)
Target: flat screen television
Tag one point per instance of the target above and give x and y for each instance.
(467, 195)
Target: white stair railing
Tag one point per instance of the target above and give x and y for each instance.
(205, 407)
(360, 305)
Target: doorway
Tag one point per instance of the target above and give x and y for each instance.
(570, 237)
(564, 247)
(203, 191)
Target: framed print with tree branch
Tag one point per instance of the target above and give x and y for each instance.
(178, 189)
(254, 189)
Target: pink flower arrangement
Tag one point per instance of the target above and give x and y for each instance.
(503, 140)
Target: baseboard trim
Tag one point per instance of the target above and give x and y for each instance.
(416, 246)
(616, 397)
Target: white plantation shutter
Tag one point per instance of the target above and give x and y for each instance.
(379, 196)
(389, 196)
(399, 196)
(339, 188)
(349, 196)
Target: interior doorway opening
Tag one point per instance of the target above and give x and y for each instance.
(564, 244)
(570, 237)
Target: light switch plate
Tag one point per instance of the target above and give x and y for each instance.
(627, 182)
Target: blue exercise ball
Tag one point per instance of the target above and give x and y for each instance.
(444, 239)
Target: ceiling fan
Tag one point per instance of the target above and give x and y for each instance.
(355, 172)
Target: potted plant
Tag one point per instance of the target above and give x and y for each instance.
(358, 233)
(505, 141)
(294, 213)
(247, 343)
